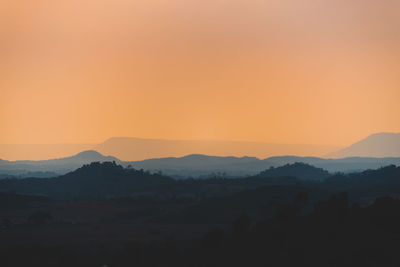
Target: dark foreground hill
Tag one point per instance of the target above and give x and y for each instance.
(107, 215)
(212, 200)
(263, 196)
(97, 180)
(109, 180)
(301, 170)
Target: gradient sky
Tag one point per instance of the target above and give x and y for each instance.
(286, 71)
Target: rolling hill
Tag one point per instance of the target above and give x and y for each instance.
(378, 145)
(128, 149)
(134, 149)
(198, 166)
(53, 167)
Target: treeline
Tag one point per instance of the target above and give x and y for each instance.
(109, 180)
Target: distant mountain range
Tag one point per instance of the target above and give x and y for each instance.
(134, 149)
(128, 149)
(373, 152)
(201, 165)
(53, 167)
(189, 166)
(378, 145)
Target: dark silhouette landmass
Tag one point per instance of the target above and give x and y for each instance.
(298, 169)
(196, 166)
(52, 167)
(97, 179)
(103, 214)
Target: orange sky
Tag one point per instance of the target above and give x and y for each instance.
(287, 71)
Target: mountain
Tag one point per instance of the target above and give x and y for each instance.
(44, 168)
(198, 166)
(126, 148)
(107, 179)
(129, 148)
(85, 157)
(384, 181)
(204, 166)
(300, 170)
(376, 145)
(263, 200)
(138, 149)
(96, 179)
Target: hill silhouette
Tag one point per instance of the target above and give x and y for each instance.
(97, 179)
(376, 145)
(105, 214)
(52, 167)
(261, 197)
(204, 166)
(138, 149)
(134, 149)
(198, 166)
(367, 184)
(107, 179)
(300, 170)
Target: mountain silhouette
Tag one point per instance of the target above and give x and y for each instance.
(204, 166)
(134, 149)
(376, 145)
(299, 170)
(198, 166)
(138, 149)
(88, 157)
(106, 179)
(57, 166)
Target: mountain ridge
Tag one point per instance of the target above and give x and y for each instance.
(378, 145)
(135, 149)
(194, 165)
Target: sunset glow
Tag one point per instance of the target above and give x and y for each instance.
(325, 72)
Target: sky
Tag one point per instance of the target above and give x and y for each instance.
(287, 71)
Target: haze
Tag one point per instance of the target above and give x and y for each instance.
(299, 72)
